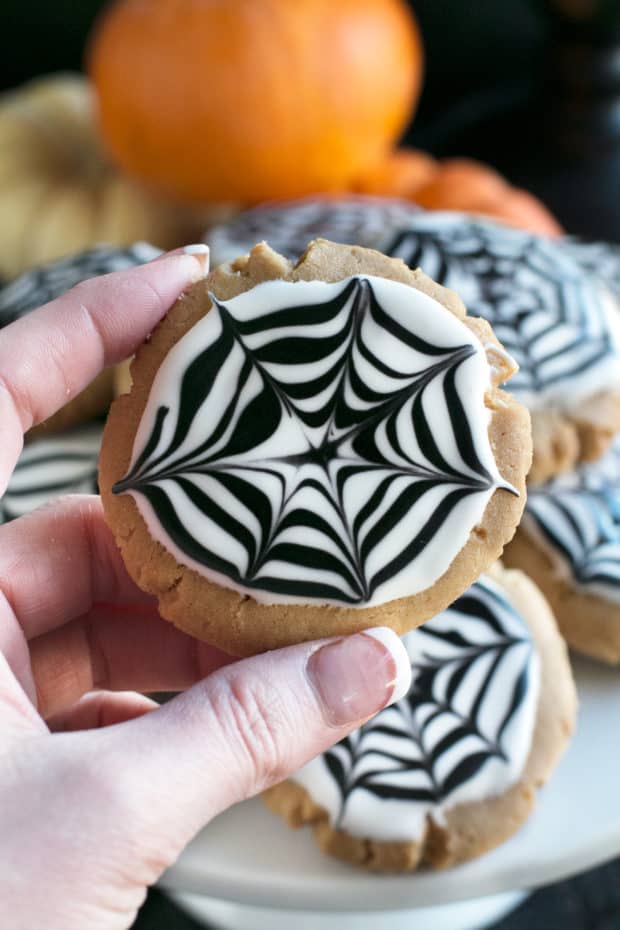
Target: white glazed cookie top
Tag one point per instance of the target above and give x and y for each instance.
(313, 442)
(553, 303)
(575, 519)
(289, 227)
(46, 282)
(561, 324)
(65, 463)
(463, 734)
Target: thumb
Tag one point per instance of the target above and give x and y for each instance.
(250, 725)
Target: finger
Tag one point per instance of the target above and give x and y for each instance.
(117, 649)
(101, 709)
(246, 727)
(96, 324)
(58, 561)
(14, 648)
(18, 716)
(17, 689)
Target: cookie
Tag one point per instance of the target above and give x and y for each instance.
(311, 450)
(599, 258)
(569, 542)
(552, 303)
(559, 322)
(288, 227)
(39, 286)
(65, 463)
(453, 769)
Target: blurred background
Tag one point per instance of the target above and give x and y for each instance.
(532, 87)
(470, 47)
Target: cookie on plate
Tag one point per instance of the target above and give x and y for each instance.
(40, 285)
(65, 463)
(453, 769)
(559, 322)
(569, 542)
(310, 450)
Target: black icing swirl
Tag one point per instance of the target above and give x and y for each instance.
(545, 309)
(51, 467)
(289, 227)
(577, 517)
(467, 708)
(355, 489)
(35, 288)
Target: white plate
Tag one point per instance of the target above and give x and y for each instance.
(249, 856)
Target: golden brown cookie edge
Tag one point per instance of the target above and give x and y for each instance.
(469, 830)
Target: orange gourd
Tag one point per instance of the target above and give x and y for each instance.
(464, 184)
(402, 172)
(252, 99)
(457, 184)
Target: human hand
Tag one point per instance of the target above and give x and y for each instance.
(99, 788)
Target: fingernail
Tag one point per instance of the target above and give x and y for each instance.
(200, 251)
(358, 676)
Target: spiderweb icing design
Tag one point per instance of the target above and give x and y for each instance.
(576, 519)
(462, 734)
(51, 467)
(315, 441)
(560, 324)
(35, 288)
(289, 227)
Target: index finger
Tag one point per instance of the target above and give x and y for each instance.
(48, 357)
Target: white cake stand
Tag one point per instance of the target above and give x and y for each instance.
(248, 871)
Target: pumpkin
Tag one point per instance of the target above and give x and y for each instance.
(400, 174)
(457, 184)
(464, 184)
(248, 100)
(59, 193)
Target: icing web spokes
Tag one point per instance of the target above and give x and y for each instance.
(455, 719)
(546, 311)
(578, 517)
(322, 452)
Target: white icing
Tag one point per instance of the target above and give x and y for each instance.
(601, 259)
(575, 520)
(351, 474)
(559, 322)
(50, 467)
(388, 777)
(46, 282)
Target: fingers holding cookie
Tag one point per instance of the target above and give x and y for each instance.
(48, 357)
(310, 450)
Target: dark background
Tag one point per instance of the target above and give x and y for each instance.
(486, 62)
(512, 82)
(471, 45)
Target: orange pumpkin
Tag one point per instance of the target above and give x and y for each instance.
(457, 184)
(461, 184)
(464, 184)
(401, 173)
(253, 99)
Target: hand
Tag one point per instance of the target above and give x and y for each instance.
(99, 788)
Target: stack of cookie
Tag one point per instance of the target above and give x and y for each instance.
(311, 448)
(554, 305)
(316, 441)
(452, 770)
